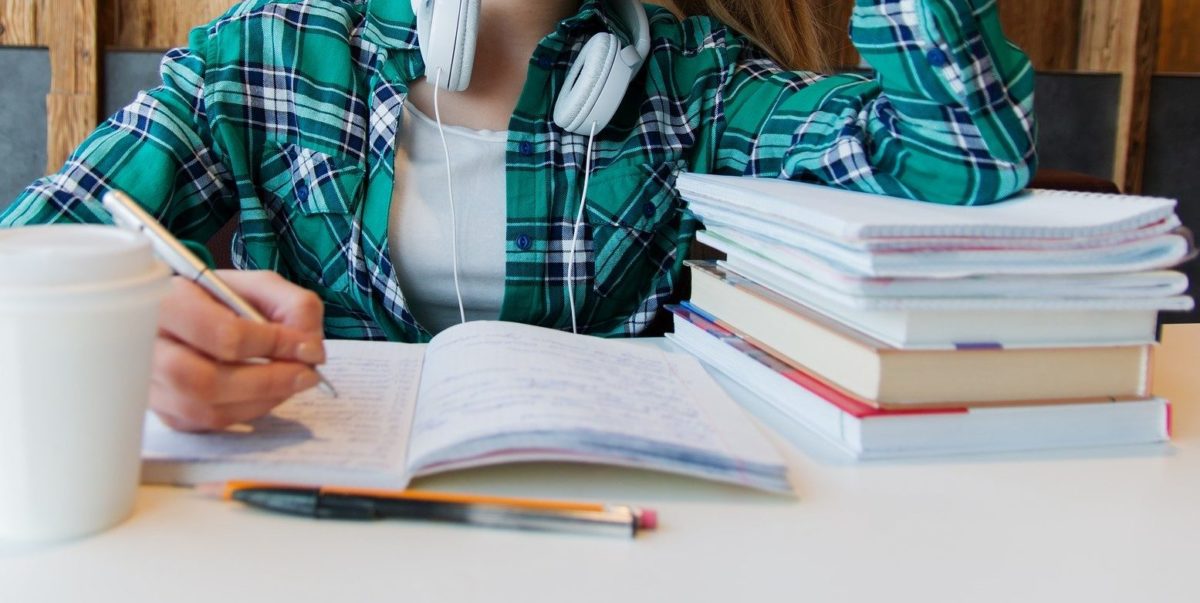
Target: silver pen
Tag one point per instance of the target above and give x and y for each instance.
(129, 215)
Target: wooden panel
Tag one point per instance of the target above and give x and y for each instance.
(22, 22)
(154, 24)
(1121, 36)
(1175, 363)
(1102, 38)
(1137, 69)
(1047, 31)
(72, 105)
(69, 119)
(1179, 37)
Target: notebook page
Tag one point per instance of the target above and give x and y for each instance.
(524, 379)
(363, 430)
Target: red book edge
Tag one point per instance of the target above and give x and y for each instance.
(849, 404)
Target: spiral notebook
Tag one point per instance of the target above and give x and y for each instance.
(860, 235)
(853, 216)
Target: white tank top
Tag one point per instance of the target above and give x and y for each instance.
(419, 221)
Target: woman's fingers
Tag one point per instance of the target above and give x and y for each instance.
(222, 417)
(194, 392)
(193, 317)
(279, 300)
(213, 369)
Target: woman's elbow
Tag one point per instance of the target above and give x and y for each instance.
(971, 180)
(976, 162)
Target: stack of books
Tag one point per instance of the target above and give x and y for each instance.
(899, 328)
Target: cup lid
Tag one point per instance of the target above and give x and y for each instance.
(71, 255)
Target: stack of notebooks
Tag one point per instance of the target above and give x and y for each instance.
(899, 328)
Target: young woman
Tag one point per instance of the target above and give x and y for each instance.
(309, 122)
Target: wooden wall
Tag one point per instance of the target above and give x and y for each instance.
(1134, 38)
(158, 24)
(1179, 37)
(23, 23)
(1048, 31)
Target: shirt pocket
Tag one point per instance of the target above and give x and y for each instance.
(312, 182)
(627, 210)
(311, 199)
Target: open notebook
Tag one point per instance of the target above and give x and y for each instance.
(479, 394)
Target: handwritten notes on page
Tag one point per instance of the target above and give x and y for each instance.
(481, 393)
(490, 388)
(360, 436)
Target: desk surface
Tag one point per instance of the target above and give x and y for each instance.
(1115, 525)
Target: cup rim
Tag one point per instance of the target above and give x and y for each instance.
(158, 271)
(66, 254)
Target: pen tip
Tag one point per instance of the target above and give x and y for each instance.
(328, 387)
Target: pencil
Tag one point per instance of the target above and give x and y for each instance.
(482, 510)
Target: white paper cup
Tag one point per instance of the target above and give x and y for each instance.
(78, 314)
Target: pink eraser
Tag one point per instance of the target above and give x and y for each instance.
(648, 519)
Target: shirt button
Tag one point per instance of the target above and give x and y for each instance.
(302, 192)
(937, 58)
(526, 147)
(648, 209)
(524, 242)
(544, 62)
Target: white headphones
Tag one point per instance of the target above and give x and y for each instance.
(595, 84)
(594, 88)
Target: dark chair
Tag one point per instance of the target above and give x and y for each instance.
(220, 244)
(1072, 181)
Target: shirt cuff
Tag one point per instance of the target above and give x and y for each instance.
(952, 40)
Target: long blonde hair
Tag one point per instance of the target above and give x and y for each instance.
(786, 29)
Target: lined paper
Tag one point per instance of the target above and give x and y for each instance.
(530, 380)
(364, 429)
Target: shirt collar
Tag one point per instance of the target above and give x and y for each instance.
(391, 24)
(598, 11)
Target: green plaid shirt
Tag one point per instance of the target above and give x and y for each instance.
(284, 114)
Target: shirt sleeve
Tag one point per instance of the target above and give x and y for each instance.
(946, 117)
(158, 149)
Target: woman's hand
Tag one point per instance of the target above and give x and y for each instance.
(213, 369)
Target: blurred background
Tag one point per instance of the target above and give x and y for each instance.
(1116, 92)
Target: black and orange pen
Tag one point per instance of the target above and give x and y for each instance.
(488, 511)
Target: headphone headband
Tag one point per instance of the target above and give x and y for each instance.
(595, 85)
(633, 17)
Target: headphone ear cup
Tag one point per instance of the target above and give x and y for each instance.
(586, 84)
(447, 30)
(464, 54)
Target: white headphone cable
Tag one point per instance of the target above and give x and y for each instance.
(437, 114)
(587, 174)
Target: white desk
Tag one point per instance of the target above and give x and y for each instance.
(1117, 525)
